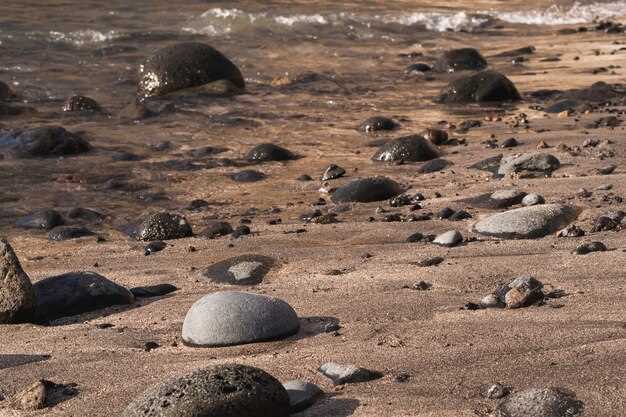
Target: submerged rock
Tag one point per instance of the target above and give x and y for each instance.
(269, 152)
(185, 65)
(81, 104)
(408, 148)
(161, 226)
(17, 297)
(540, 402)
(377, 123)
(44, 219)
(486, 86)
(367, 190)
(42, 142)
(459, 60)
(240, 270)
(68, 232)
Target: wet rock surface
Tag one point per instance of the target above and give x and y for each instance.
(81, 104)
(367, 190)
(408, 148)
(377, 123)
(266, 152)
(42, 142)
(161, 226)
(240, 270)
(459, 60)
(486, 86)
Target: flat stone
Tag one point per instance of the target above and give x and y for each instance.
(42, 142)
(497, 200)
(302, 394)
(240, 270)
(161, 226)
(333, 172)
(367, 190)
(412, 148)
(533, 199)
(449, 238)
(486, 86)
(68, 232)
(229, 390)
(491, 164)
(248, 175)
(540, 402)
(153, 290)
(44, 219)
(76, 293)
(589, 247)
(266, 152)
(459, 60)
(347, 374)
(434, 165)
(17, 297)
(527, 222)
(216, 228)
(377, 123)
(234, 318)
(530, 164)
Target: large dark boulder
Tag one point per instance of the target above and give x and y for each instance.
(42, 142)
(412, 148)
(485, 86)
(459, 60)
(17, 297)
(367, 190)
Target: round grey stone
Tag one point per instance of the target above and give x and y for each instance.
(234, 318)
(345, 374)
(17, 298)
(302, 394)
(529, 164)
(229, 390)
(532, 200)
(367, 190)
(240, 270)
(527, 222)
(449, 238)
(540, 402)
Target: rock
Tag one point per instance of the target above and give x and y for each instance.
(234, 318)
(161, 226)
(5, 91)
(418, 68)
(153, 290)
(17, 298)
(433, 165)
(269, 152)
(449, 238)
(460, 215)
(44, 219)
(332, 172)
(85, 214)
(377, 123)
(445, 213)
(523, 291)
(540, 402)
(42, 142)
(486, 86)
(527, 222)
(229, 390)
(532, 200)
(248, 175)
(216, 228)
(610, 221)
(304, 178)
(571, 231)
(530, 164)
(367, 190)
(240, 270)
(526, 50)
(435, 136)
(408, 149)
(495, 391)
(509, 143)
(607, 170)
(81, 104)
(302, 394)
(491, 164)
(76, 293)
(459, 60)
(415, 237)
(497, 200)
(491, 301)
(154, 247)
(347, 374)
(436, 260)
(185, 65)
(589, 247)
(30, 399)
(68, 232)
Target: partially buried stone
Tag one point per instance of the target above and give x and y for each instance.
(268, 152)
(530, 164)
(185, 65)
(459, 60)
(532, 199)
(589, 247)
(609, 221)
(540, 402)
(509, 143)
(44, 219)
(302, 394)
(408, 148)
(81, 104)
(68, 232)
(571, 231)
(30, 399)
(433, 165)
(448, 239)
(162, 226)
(42, 142)
(234, 318)
(435, 136)
(346, 374)
(498, 199)
(17, 297)
(377, 123)
(240, 270)
(491, 164)
(229, 390)
(486, 86)
(367, 190)
(76, 293)
(417, 68)
(460, 215)
(85, 214)
(522, 292)
(153, 290)
(154, 247)
(216, 228)
(248, 175)
(332, 172)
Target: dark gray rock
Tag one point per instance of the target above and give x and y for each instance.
(248, 175)
(153, 247)
(496, 200)
(81, 104)
(529, 164)
(486, 86)
(153, 290)
(332, 172)
(347, 374)
(68, 232)
(417, 68)
(367, 190)
(266, 152)
(302, 394)
(17, 298)
(234, 318)
(435, 136)
(540, 402)
(215, 229)
(229, 390)
(434, 165)
(589, 247)
(459, 60)
(44, 219)
(5, 91)
(185, 65)
(76, 293)
(161, 226)
(491, 164)
(240, 270)
(42, 142)
(85, 214)
(408, 149)
(377, 123)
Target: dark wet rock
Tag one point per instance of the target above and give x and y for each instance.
(497, 200)
(435, 260)
(540, 402)
(434, 165)
(5, 91)
(161, 226)
(76, 293)
(435, 136)
(154, 247)
(607, 170)
(460, 215)
(589, 247)
(449, 239)
(215, 229)
(85, 214)
(509, 143)
(415, 237)
(81, 104)
(377, 123)
(610, 221)
(304, 178)
(302, 394)
(367, 190)
(17, 298)
(68, 232)
(240, 270)
(347, 374)
(240, 231)
(527, 222)
(42, 142)
(44, 219)
(269, 152)
(153, 290)
(529, 164)
(571, 231)
(526, 50)
(417, 68)
(197, 205)
(248, 175)
(408, 149)
(486, 86)
(491, 164)
(445, 213)
(521, 292)
(229, 390)
(234, 318)
(185, 65)
(459, 60)
(332, 172)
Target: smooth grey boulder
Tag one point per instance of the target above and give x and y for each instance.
(76, 293)
(414, 148)
(302, 394)
(527, 222)
(17, 298)
(459, 60)
(533, 199)
(449, 238)
(540, 402)
(346, 374)
(42, 142)
(233, 318)
(367, 190)
(161, 226)
(240, 270)
(486, 86)
(529, 164)
(185, 65)
(229, 390)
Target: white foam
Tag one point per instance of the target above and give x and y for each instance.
(439, 22)
(317, 19)
(556, 15)
(83, 37)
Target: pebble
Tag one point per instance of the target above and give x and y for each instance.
(571, 231)
(248, 175)
(486, 86)
(607, 170)
(509, 143)
(17, 297)
(530, 164)
(435, 260)
(154, 247)
(68, 232)
(433, 165)
(449, 239)
(266, 152)
(532, 199)
(240, 270)
(81, 104)
(44, 219)
(302, 394)
(377, 123)
(589, 247)
(415, 237)
(153, 290)
(445, 213)
(459, 60)
(42, 142)
(347, 374)
(161, 226)
(367, 190)
(540, 402)
(333, 172)
(408, 149)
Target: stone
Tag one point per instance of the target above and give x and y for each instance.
(347, 374)
(607, 170)
(460, 215)
(495, 391)
(302, 394)
(589, 247)
(459, 60)
(486, 86)
(31, 398)
(434, 165)
(266, 152)
(42, 142)
(161, 226)
(509, 143)
(532, 199)
(332, 172)
(530, 164)
(68, 232)
(491, 301)
(497, 200)
(229, 390)
(609, 221)
(540, 402)
(185, 65)
(491, 164)
(435, 260)
(17, 297)
(234, 318)
(435, 136)
(85, 214)
(412, 148)
(76, 293)
(571, 231)
(522, 292)
(240, 270)
(449, 238)
(527, 222)
(216, 228)
(248, 175)
(154, 247)
(153, 290)
(367, 190)
(377, 123)
(44, 219)
(81, 104)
